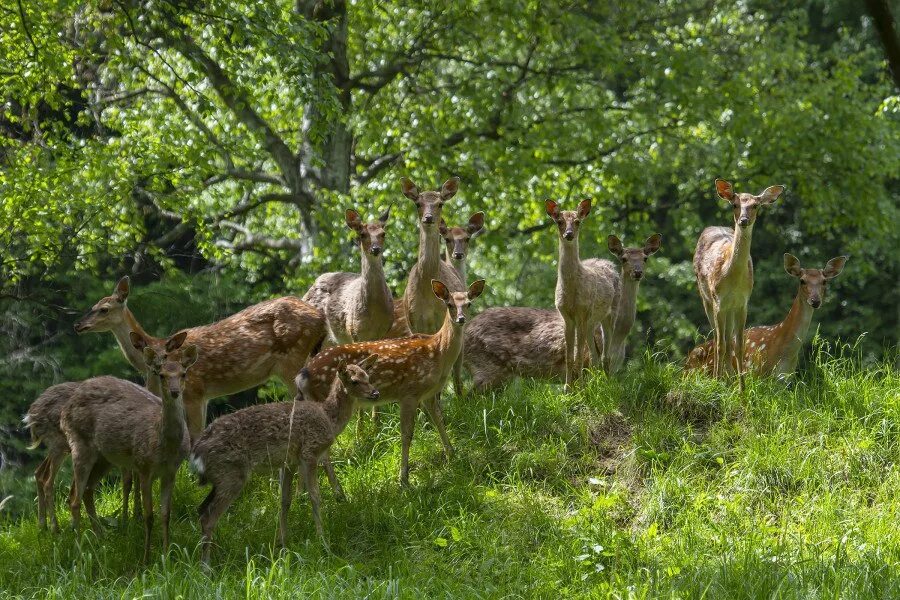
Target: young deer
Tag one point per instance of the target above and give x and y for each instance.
(410, 371)
(503, 343)
(272, 338)
(357, 307)
(284, 436)
(585, 291)
(42, 420)
(724, 273)
(457, 240)
(113, 422)
(775, 349)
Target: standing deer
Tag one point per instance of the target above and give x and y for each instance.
(410, 371)
(724, 271)
(284, 436)
(775, 349)
(113, 422)
(357, 307)
(272, 338)
(585, 291)
(507, 342)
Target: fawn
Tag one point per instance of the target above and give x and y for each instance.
(585, 291)
(410, 371)
(357, 307)
(272, 338)
(113, 422)
(724, 271)
(457, 240)
(775, 349)
(284, 436)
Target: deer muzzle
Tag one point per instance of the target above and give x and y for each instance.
(744, 221)
(569, 235)
(458, 255)
(375, 250)
(428, 219)
(815, 302)
(375, 394)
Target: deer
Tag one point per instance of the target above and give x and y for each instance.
(278, 436)
(585, 292)
(357, 307)
(113, 422)
(272, 338)
(774, 350)
(506, 342)
(457, 240)
(409, 371)
(724, 271)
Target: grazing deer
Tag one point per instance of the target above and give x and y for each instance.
(724, 271)
(284, 436)
(410, 371)
(272, 338)
(42, 420)
(357, 307)
(113, 422)
(457, 240)
(507, 342)
(775, 349)
(585, 291)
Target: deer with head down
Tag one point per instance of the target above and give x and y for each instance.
(775, 349)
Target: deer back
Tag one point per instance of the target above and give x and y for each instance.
(43, 416)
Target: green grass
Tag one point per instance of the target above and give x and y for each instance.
(653, 485)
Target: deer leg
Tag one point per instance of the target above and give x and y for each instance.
(721, 347)
(457, 376)
(166, 484)
(194, 412)
(127, 481)
(56, 460)
(332, 477)
(83, 460)
(599, 356)
(570, 352)
(286, 475)
(138, 505)
(308, 468)
(40, 475)
(212, 509)
(739, 323)
(436, 415)
(97, 472)
(407, 425)
(146, 481)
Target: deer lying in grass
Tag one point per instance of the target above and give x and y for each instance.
(507, 342)
(724, 273)
(774, 350)
(410, 371)
(42, 420)
(272, 338)
(357, 307)
(113, 422)
(284, 436)
(585, 292)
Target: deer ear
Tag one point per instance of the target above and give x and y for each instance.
(476, 223)
(770, 194)
(368, 362)
(440, 290)
(476, 288)
(834, 267)
(150, 355)
(724, 189)
(792, 265)
(652, 244)
(552, 208)
(353, 220)
(122, 288)
(615, 245)
(189, 355)
(409, 189)
(175, 341)
(385, 216)
(584, 208)
(137, 340)
(450, 187)
(442, 227)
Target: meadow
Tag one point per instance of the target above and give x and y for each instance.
(655, 484)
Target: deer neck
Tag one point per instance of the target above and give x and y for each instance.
(122, 331)
(448, 339)
(569, 271)
(627, 307)
(172, 426)
(740, 249)
(429, 251)
(339, 405)
(795, 326)
(372, 274)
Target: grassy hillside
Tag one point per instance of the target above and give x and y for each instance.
(653, 485)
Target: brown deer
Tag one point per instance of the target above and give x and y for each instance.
(272, 338)
(507, 342)
(724, 271)
(279, 436)
(410, 371)
(113, 422)
(42, 420)
(774, 350)
(357, 307)
(585, 291)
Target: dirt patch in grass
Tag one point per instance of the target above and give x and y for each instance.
(610, 438)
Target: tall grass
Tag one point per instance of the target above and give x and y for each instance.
(654, 484)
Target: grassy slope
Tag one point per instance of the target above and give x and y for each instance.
(650, 486)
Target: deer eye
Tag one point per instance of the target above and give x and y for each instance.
(104, 310)
(468, 304)
(577, 221)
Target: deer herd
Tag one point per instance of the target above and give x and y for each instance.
(348, 344)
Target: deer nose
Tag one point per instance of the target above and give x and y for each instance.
(175, 394)
(375, 250)
(458, 255)
(569, 234)
(79, 327)
(743, 221)
(375, 394)
(428, 219)
(638, 274)
(460, 319)
(815, 302)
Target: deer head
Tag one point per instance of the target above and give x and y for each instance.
(370, 236)
(430, 204)
(568, 221)
(457, 238)
(108, 312)
(171, 367)
(633, 259)
(355, 379)
(746, 205)
(814, 281)
(458, 303)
